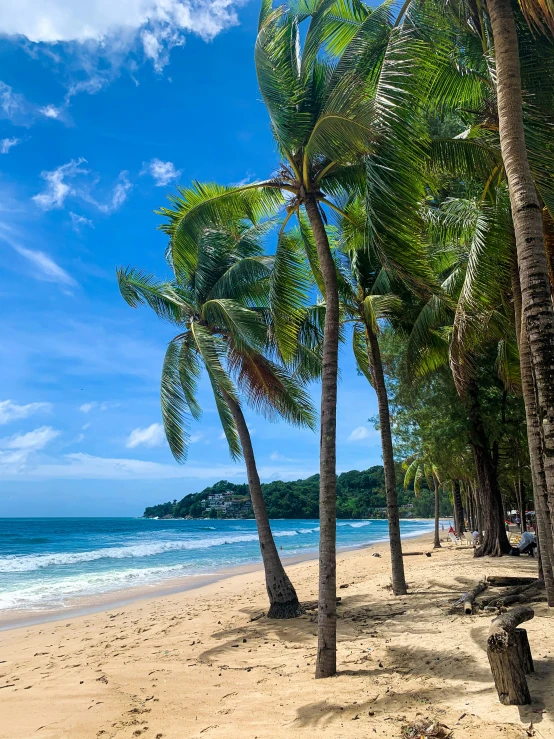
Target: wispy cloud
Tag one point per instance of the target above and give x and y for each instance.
(150, 436)
(17, 450)
(162, 172)
(6, 144)
(78, 221)
(70, 181)
(15, 107)
(359, 434)
(88, 407)
(46, 268)
(10, 411)
(30, 441)
(82, 466)
(57, 189)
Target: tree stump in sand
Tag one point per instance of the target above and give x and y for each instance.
(510, 656)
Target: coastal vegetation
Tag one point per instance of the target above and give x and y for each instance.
(360, 494)
(410, 214)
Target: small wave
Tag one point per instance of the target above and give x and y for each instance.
(48, 593)
(359, 524)
(29, 563)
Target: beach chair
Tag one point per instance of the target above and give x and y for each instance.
(469, 538)
(454, 539)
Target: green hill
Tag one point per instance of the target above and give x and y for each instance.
(360, 494)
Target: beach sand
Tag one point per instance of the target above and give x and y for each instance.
(202, 664)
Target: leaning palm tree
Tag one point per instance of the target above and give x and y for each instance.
(336, 105)
(220, 308)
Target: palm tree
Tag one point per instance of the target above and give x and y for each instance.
(367, 302)
(220, 307)
(422, 468)
(336, 106)
(495, 68)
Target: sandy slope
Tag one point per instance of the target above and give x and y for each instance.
(196, 665)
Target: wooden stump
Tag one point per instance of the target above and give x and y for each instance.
(524, 651)
(510, 656)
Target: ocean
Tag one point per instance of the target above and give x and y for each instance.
(49, 563)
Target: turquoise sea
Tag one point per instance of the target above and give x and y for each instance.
(48, 563)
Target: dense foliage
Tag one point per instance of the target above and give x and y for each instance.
(360, 494)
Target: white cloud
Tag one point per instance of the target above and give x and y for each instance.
(57, 189)
(10, 411)
(47, 268)
(194, 438)
(30, 441)
(150, 436)
(6, 144)
(60, 185)
(114, 27)
(50, 111)
(359, 433)
(162, 172)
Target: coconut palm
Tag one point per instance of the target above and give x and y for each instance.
(334, 114)
(421, 468)
(493, 65)
(220, 308)
(367, 302)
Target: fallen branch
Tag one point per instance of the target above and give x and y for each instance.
(523, 594)
(469, 597)
(466, 599)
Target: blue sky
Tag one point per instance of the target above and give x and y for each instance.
(102, 111)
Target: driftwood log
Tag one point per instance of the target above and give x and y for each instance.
(469, 597)
(510, 656)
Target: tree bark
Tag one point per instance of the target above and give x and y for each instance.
(458, 508)
(437, 542)
(537, 308)
(534, 441)
(326, 664)
(495, 542)
(283, 601)
(395, 542)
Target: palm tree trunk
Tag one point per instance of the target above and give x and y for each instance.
(495, 542)
(537, 308)
(458, 508)
(437, 542)
(534, 441)
(395, 542)
(283, 601)
(326, 664)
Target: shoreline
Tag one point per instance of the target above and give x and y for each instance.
(88, 605)
(208, 664)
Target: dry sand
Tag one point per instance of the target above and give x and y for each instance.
(195, 664)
